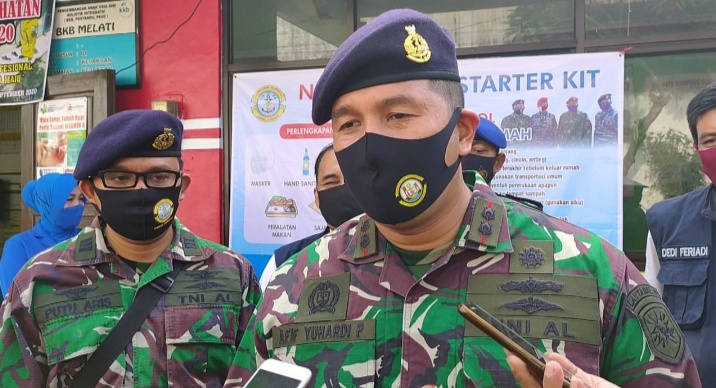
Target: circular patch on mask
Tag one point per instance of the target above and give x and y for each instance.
(411, 190)
(482, 172)
(163, 210)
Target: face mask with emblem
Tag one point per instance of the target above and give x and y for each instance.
(139, 215)
(484, 165)
(395, 180)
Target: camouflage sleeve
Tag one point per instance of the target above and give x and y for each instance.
(250, 299)
(644, 346)
(244, 363)
(22, 358)
(253, 349)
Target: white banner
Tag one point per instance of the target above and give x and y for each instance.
(570, 160)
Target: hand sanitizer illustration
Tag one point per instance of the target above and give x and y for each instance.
(306, 162)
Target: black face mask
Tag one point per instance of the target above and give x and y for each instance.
(338, 205)
(395, 180)
(139, 215)
(484, 165)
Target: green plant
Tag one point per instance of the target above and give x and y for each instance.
(673, 163)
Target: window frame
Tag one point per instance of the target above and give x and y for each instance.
(664, 44)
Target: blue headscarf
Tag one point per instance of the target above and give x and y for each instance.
(47, 196)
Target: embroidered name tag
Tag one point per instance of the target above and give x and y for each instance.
(539, 306)
(695, 252)
(315, 332)
(76, 300)
(212, 286)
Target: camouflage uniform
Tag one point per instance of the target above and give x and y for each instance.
(66, 300)
(606, 128)
(515, 121)
(575, 129)
(349, 309)
(544, 129)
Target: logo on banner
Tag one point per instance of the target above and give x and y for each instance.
(268, 103)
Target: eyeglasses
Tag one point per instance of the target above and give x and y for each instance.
(126, 179)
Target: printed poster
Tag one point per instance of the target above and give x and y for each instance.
(61, 132)
(560, 115)
(96, 35)
(25, 35)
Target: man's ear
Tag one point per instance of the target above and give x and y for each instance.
(315, 198)
(466, 129)
(87, 189)
(499, 162)
(185, 182)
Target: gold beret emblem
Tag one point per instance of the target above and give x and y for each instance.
(416, 47)
(165, 140)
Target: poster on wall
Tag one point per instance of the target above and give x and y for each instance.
(61, 132)
(96, 35)
(25, 35)
(559, 114)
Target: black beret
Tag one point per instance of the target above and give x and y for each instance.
(398, 45)
(131, 133)
(603, 97)
(518, 102)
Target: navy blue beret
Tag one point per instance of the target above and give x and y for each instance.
(131, 133)
(398, 45)
(603, 97)
(491, 133)
(518, 102)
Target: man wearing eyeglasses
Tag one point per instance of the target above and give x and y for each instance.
(64, 304)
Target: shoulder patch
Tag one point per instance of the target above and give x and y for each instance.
(662, 333)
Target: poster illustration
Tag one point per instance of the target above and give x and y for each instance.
(558, 113)
(61, 132)
(25, 35)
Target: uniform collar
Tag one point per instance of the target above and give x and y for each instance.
(481, 230)
(90, 247)
(708, 209)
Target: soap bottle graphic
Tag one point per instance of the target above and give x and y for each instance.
(306, 162)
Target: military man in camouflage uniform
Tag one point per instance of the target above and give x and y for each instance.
(517, 119)
(575, 128)
(606, 123)
(375, 302)
(544, 126)
(66, 300)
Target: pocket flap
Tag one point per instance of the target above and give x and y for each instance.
(689, 273)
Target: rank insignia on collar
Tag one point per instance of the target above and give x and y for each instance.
(416, 47)
(164, 141)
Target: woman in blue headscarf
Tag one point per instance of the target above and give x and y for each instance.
(60, 203)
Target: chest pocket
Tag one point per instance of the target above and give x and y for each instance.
(73, 323)
(338, 353)
(202, 313)
(685, 283)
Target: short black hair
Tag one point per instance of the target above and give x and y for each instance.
(704, 101)
(320, 157)
(450, 91)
